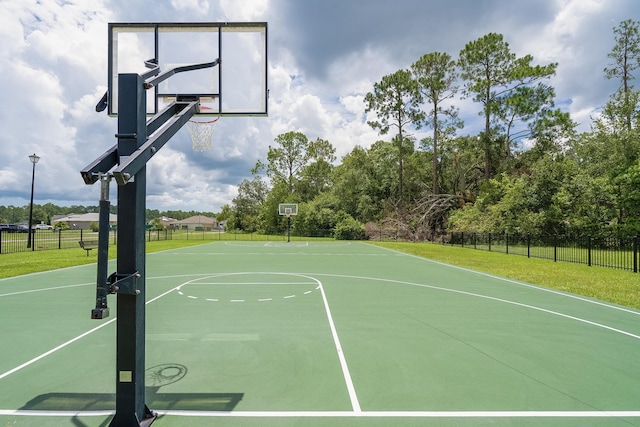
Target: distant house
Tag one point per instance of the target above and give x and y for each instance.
(82, 221)
(196, 222)
(166, 221)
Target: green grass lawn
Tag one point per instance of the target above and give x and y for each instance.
(616, 286)
(30, 262)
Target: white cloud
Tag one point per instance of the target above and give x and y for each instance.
(246, 10)
(198, 6)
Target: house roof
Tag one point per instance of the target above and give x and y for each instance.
(197, 219)
(88, 217)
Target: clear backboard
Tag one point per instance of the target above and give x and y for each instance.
(287, 209)
(237, 85)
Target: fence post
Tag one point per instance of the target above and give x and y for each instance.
(506, 243)
(555, 248)
(635, 253)
(0, 242)
(475, 241)
(528, 245)
(589, 250)
(489, 242)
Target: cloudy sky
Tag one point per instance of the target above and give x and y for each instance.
(324, 56)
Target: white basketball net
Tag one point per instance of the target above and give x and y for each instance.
(201, 133)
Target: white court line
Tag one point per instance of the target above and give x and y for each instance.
(71, 341)
(471, 294)
(413, 414)
(53, 350)
(343, 362)
(247, 283)
(342, 414)
(55, 288)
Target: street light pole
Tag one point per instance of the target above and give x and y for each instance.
(34, 159)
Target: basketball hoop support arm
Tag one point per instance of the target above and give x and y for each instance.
(138, 141)
(176, 114)
(150, 82)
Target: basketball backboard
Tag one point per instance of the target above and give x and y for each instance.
(287, 209)
(237, 85)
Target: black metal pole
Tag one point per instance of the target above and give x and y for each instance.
(101, 311)
(33, 180)
(130, 334)
(288, 228)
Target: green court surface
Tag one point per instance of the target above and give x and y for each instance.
(320, 334)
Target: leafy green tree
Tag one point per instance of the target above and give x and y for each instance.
(156, 224)
(462, 167)
(384, 157)
(14, 214)
(354, 186)
(511, 91)
(286, 159)
(617, 130)
(226, 217)
(629, 187)
(553, 135)
(315, 177)
(349, 229)
(395, 101)
(247, 204)
(319, 216)
(435, 74)
(626, 59)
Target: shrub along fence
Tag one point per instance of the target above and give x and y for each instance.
(611, 252)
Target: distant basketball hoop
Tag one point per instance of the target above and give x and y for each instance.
(288, 209)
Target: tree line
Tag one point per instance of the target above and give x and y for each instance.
(527, 171)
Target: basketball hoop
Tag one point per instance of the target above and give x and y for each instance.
(201, 132)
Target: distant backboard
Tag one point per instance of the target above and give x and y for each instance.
(236, 86)
(288, 209)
